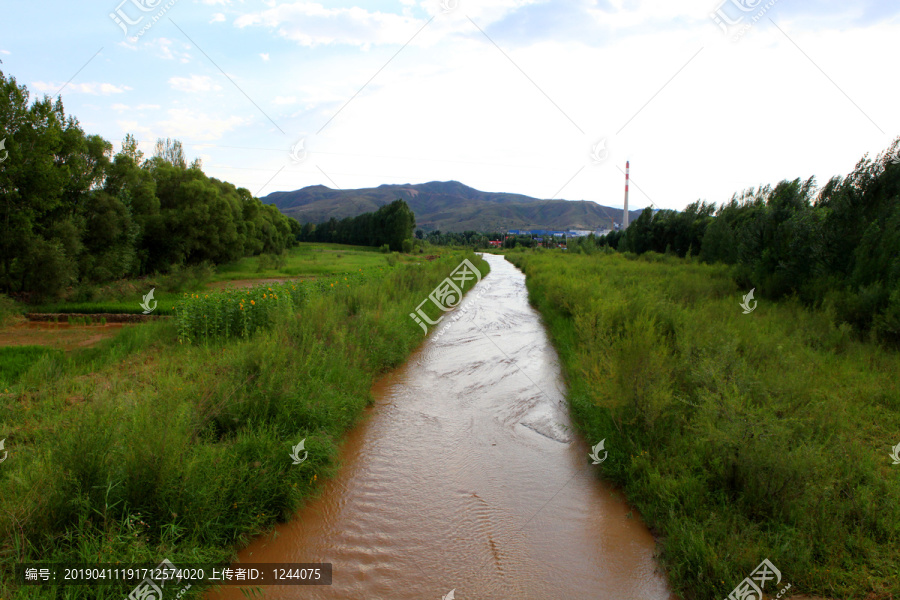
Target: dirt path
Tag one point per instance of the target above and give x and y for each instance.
(56, 335)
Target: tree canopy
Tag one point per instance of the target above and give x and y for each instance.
(73, 211)
(838, 245)
(391, 224)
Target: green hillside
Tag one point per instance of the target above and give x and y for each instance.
(448, 206)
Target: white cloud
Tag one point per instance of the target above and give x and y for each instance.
(311, 24)
(451, 105)
(119, 107)
(194, 84)
(169, 49)
(95, 89)
(186, 124)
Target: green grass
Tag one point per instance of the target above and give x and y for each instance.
(15, 360)
(9, 310)
(142, 448)
(241, 312)
(307, 260)
(739, 437)
(310, 260)
(165, 304)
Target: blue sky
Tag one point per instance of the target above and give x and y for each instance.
(502, 95)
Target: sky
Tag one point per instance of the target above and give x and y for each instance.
(547, 98)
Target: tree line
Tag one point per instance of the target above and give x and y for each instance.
(468, 239)
(72, 211)
(836, 246)
(392, 224)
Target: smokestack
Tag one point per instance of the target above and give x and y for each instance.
(625, 215)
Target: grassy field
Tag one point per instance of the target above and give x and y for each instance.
(16, 360)
(309, 259)
(304, 261)
(739, 437)
(145, 448)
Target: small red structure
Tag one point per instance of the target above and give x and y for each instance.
(495, 243)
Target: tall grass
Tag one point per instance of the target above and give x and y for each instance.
(9, 310)
(145, 449)
(241, 312)
(738, 436)
(16, 360)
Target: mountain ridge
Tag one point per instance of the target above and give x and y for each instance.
(448, 206)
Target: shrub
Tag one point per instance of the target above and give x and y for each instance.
(9, 310)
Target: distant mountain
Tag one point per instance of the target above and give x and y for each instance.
(448, 206)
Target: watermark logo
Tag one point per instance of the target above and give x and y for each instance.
(895, 455)
(5, 151)
(751, 588)
(451, 595)
(151, 588)
(6, 453)
(296, 452)
(447, 294)
(449, 6)
(894, 156)
(464, 309)
(595, 453)
(599, 151)
(746, 303)
(729, 15)
(123, 20)
(298, 152)
(148, 298)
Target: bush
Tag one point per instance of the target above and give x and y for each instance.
(9, 310)
(48, 270)
(187, 277)
(268, 262)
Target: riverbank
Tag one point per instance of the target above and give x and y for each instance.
(143, 448)
(466, 477)
(740, 436)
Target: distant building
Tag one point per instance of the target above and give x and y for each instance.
(551, 232)
(495, 243)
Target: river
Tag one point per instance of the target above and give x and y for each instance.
(466, 481)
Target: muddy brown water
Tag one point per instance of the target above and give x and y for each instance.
(467, 477)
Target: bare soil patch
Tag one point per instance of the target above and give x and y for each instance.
(56, 335)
